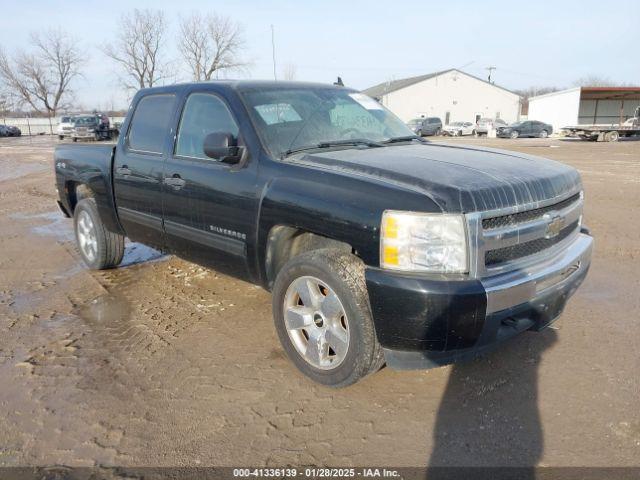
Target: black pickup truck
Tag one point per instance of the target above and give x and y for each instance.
(377, 245)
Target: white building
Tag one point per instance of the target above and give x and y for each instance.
(451, 95)
(585, 106)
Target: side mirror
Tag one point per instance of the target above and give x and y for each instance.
(222, 146)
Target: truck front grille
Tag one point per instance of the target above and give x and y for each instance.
(508, 241)
(520, 217)
(506, 254)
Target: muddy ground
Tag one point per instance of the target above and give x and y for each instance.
(162, 362)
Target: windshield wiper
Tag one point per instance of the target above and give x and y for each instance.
(350, 141)
(335, 143)
(405, 138)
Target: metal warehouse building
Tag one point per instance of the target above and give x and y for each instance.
(585, 106)
(451, 95)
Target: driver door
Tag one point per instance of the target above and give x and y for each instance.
(209, 207)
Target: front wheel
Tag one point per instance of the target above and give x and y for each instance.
(323, 319)
(514, 134)
(99, 248)
(544, 134)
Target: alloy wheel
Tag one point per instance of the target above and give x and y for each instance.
(87, 238)
(316, 322)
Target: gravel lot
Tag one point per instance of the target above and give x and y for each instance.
(162, 362)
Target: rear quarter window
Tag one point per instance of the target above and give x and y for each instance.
(150, 123)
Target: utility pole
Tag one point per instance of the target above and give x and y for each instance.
(490, 68)
(273, 50)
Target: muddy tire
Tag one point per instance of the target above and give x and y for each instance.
(323, 318)
(99, 248)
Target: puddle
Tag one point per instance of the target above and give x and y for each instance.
(135, 253)
(110, 309)
(17, 170)
(57, 225)
(61, 228)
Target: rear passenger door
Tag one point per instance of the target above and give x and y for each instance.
(138, 169)
(209, 206)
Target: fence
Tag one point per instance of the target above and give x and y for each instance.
(41, 126)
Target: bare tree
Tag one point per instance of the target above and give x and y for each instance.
(210, 44)
(593, 81)
(529, 92)
(289, 72)
(139, 49)
(42, 77)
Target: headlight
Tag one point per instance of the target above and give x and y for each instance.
(423, 242)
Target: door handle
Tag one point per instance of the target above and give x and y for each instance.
(123, 170)
(176, 182)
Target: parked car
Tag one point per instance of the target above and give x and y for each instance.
(376, 245)
(426, 126)
(457, 129)
(528, 128)
(65, 126)
(484, 124)
(92, 127)
(9, 131)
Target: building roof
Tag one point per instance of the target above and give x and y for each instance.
(610, 93)
(391, 86)
(598, 93)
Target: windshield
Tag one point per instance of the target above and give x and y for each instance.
(457, 124)
(85, 120)
(415, 121)
(65, 120)
(515, 124)
(294, 118)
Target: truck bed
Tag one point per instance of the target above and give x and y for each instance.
(91, 165)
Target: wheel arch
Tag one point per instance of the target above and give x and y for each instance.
(285, 242)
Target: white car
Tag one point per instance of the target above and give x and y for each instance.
(457, 129)
(65, 126)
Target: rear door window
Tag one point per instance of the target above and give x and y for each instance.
(150, 123)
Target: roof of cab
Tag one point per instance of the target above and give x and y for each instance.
(244, 85)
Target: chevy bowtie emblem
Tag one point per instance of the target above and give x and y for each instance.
(555, 225)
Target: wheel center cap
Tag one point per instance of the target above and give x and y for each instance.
(318, 320)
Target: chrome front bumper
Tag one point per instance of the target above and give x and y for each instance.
(524, 285)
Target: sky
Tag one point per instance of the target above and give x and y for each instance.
(535, 43)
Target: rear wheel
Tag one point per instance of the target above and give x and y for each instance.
(322, 317)
(100, 249)
(612, 136)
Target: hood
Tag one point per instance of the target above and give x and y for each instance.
(459, 179)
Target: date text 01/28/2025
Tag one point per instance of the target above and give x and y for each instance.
(312, 472)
